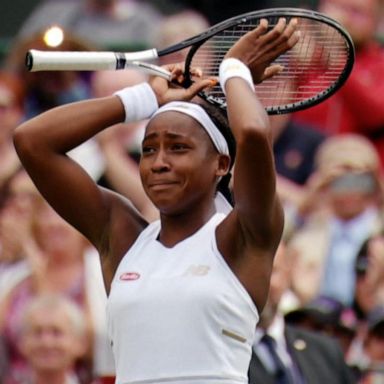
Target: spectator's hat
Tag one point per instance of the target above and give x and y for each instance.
(350, 152)
(349, 162)
(324, 312)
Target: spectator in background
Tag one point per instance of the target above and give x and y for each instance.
(52, 338)
(359, 328)
(369, 293)
(3, 358)
(56, 255)
(11, 220)
(346, 189)
(305, 355)
(371, 361)
(327, 316)
(108, 24)
(41, 242)
(358, 106)
(12, 94)
(18, 197)
(369, 269)
(214, 10)
(295, 148)
(44, 90)
(176, 28)
(47, 89)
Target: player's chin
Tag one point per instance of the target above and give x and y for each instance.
(169, 205)
(164, 202)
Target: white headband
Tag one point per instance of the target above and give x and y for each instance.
(199, 114)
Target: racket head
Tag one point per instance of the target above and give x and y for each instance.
(314, 69)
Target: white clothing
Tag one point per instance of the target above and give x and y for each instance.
(179, 315)
(90, 157)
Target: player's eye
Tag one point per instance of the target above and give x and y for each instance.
(179, 147)
(146, 150)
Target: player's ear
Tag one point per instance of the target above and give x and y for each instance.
(224, 162)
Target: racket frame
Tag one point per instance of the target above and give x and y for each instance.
(288, 13)
(121, 60)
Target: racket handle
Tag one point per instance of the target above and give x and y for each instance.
(92, 61)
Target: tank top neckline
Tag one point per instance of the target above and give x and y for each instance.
(156, 234)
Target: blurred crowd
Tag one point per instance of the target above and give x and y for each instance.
(329, 271)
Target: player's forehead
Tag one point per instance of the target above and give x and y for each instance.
(174, 124)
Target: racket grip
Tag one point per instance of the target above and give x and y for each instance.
(37, 60)
(69, 61)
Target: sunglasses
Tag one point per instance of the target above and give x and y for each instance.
(358, 182)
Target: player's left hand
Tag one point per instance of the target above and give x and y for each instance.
(260, 47)
(169, 91)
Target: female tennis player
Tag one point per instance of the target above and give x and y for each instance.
(185, 292)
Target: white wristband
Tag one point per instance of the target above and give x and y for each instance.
(139, 102)
(232, 67)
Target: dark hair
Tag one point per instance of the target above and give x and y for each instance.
(361, 263)
(361, 267)
(219, 118)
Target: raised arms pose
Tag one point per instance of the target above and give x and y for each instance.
(184, 156)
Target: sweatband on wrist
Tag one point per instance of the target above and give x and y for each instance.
(139, 102)
(232, 67)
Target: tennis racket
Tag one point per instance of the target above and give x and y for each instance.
(314, 69)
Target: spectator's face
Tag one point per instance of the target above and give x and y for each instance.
(16, 216)
(349, 205)
(363, 293)
(10, 112)
(359, 17)
(369, 271)
(351, 193)
(23, 195)
(55, 236)
(48, 342)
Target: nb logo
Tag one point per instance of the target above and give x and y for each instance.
(129, 276)
(197, 270)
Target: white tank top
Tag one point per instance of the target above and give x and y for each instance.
(180, 315)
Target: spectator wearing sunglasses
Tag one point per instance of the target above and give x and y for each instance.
(345, 196)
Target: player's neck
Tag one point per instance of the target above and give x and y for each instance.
(176, 228)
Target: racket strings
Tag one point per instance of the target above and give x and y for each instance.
(311, 68)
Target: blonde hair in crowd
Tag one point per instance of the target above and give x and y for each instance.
(53, 302)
